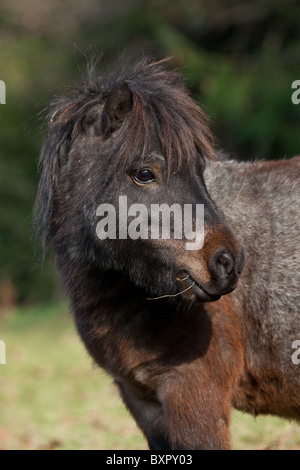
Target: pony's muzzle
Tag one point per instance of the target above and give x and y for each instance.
(225, 269)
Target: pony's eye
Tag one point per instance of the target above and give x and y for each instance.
(144, 176)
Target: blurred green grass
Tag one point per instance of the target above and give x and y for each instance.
(52, 397)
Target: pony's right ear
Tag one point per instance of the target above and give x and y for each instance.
(118, 104)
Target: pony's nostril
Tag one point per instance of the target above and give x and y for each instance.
(222, 263)
(226, 261)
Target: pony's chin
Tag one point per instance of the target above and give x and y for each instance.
(195, 289)
(202, 295)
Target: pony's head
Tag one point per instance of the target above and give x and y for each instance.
(122, 185)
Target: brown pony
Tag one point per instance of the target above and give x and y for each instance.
(183, 340)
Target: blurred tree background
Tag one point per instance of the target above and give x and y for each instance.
(239, 59)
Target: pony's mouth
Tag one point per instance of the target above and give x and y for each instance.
(192, 285)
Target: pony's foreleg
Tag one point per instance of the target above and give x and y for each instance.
(184, 415)
(148, 414)
(196, 415)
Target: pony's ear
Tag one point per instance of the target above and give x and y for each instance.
(118, 104)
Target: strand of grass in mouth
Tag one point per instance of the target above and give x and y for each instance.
(173, 295)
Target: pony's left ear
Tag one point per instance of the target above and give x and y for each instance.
(117, 106)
